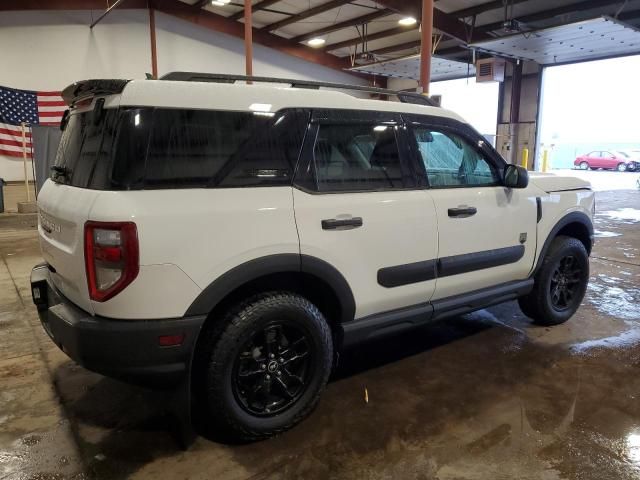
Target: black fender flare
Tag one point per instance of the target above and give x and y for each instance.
(573, 217)
(246, 272)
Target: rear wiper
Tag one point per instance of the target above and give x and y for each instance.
(60, 170)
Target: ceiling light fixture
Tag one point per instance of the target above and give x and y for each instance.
(316, 42)
(407, 21)
(220, 3)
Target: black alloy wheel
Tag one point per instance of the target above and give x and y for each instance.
(565, 283)
(261, 366)
(272, 369)
(560, 283)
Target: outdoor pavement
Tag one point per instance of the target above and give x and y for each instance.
(605, 180)
(483, 396)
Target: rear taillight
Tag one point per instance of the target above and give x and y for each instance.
(111, 257)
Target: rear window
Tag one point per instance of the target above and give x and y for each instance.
(147, 148)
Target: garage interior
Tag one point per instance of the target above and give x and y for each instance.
(486, 395)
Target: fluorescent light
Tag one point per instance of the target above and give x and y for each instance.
(380, 128)
(136, 119)
(407, 21)
(220, 3)
(260, 107)
(316, 42)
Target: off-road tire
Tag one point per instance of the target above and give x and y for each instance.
(223, 413)
(538, 304)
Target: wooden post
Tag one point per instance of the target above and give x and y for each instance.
(24, 160)
(426, 45)
(248, 38)
(154, 52)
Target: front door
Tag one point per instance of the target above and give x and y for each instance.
(358, 208)
(486, 232)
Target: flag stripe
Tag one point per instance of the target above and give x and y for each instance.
(51, 103)
(7, 131)
(49, 94)
(51, 124)
(16, 138)
(14, 143)
(49, 114)
(11, 153)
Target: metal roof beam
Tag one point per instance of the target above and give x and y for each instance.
(396, 48)
(484, 7)
(443, 22)
(312, 12)
(370, 37)
(342, 25)
(255, 8)
(222, 24)
(553, 12)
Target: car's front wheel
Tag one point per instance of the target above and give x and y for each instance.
(266, 367)
(560, 283)
(622, 167)
(584, 166)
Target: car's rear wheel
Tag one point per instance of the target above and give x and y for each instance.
(584, 166)
(622, 167)
(560, 283)
(265, 369)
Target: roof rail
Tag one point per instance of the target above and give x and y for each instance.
(404, 97)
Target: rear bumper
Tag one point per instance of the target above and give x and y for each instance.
(125, 349)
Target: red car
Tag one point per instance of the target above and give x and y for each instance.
(616, 160)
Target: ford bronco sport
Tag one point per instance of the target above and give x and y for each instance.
(233, 237)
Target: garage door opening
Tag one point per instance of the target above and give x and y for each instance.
(477, 103)
(589, 120)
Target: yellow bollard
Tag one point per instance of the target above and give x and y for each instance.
(545, 160)
(525, 157)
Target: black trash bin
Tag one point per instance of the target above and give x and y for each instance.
(1, 195)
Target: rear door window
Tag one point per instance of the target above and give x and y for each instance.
(223, 149)
(357, 157)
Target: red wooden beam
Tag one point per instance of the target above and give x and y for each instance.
(248, 38)
(426, 45)
(154, 51)
(66, 4)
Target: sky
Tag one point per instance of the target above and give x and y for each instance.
(592, 102)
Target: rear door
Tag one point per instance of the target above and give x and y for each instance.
(65, 201)
(358, 208)
(487, 232)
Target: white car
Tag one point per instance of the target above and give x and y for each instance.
(229, 239)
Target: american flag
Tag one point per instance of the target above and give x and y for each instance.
(32, 108)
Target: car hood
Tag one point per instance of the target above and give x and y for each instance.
(550, 182)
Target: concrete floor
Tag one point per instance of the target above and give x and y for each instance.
(484, 396)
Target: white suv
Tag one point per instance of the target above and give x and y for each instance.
(232, 238)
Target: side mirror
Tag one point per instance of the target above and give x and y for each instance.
(516, 177)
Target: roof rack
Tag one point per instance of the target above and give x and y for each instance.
(404, 97)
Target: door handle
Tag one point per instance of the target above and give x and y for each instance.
(341, 223)
(462, 212)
